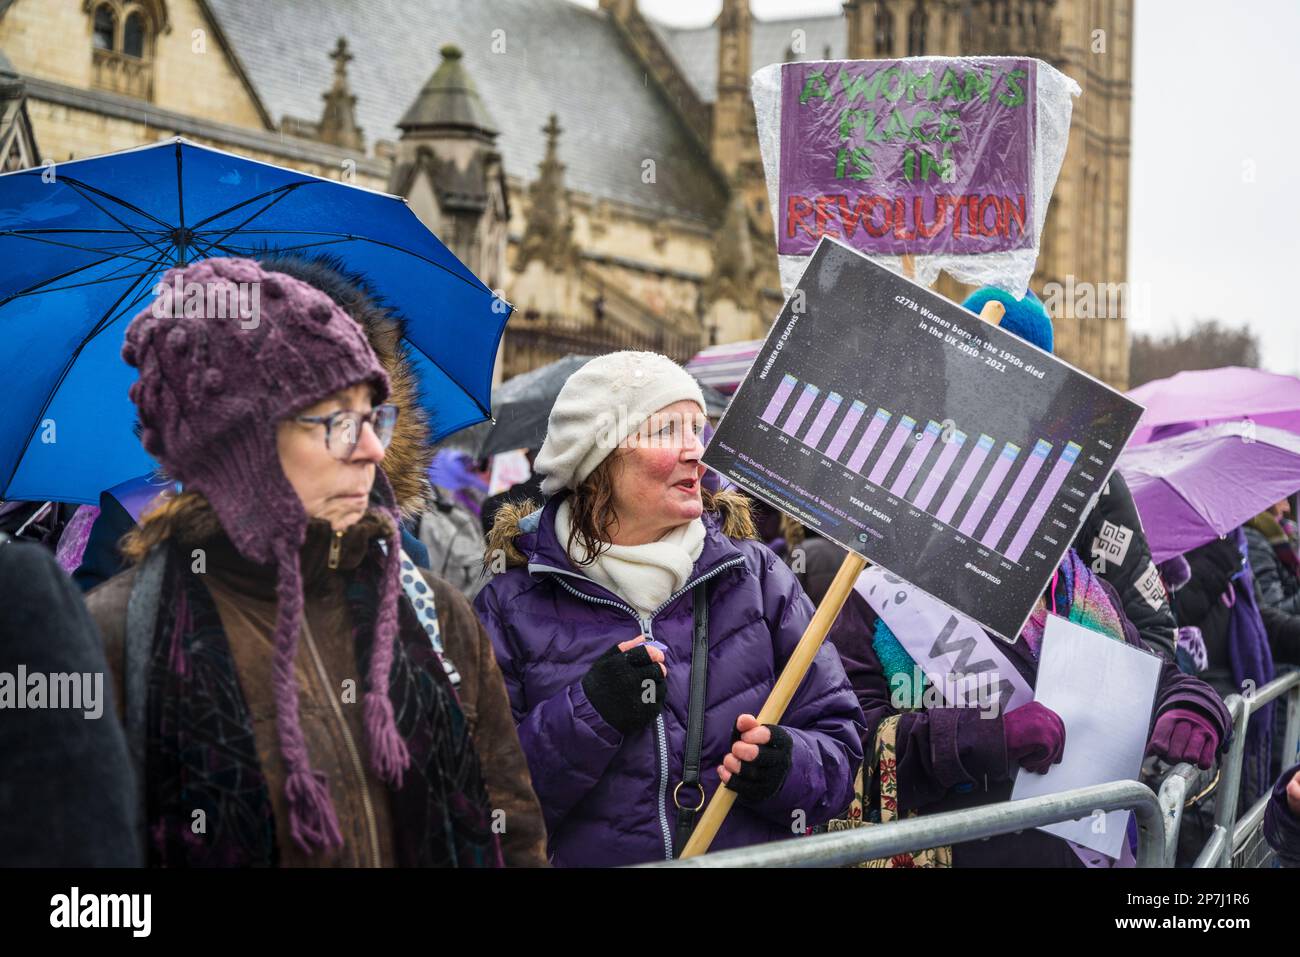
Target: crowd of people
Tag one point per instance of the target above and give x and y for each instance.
(329, 646)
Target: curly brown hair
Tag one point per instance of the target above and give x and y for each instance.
(592, 520)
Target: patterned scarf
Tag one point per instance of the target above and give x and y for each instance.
(201, 752)
(1075, 593)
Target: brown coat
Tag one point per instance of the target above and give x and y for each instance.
(332, 722)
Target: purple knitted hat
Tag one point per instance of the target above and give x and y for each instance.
(221, 362)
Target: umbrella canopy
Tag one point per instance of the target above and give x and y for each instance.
(1204, 396)
(521, 408)
(83, 244)
(1193, 488)
(724, 367)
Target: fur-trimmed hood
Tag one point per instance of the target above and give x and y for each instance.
(407, 460)
(189, 519)
(731, 513)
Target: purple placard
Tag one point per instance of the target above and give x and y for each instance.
(906, 156)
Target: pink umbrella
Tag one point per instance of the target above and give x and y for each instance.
(1192, 488)
(724, 366)
(1205, 396)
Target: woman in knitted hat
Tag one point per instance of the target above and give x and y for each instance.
(640, 628)
(277, 655)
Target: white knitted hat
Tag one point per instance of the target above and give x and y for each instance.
(603, 403)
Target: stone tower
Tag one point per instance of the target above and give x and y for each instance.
(448, 168)
(1082, 263)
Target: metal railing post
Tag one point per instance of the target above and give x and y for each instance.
(1225, 809)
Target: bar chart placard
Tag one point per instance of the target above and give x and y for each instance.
(899, 425)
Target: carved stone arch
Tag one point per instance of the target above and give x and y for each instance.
(156, 17)
(125, 64)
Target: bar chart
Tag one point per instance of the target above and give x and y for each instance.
(918, 466)
(897, 424)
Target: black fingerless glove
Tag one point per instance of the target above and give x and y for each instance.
(616, 687)
(761, 778)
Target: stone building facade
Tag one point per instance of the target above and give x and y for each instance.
(600, 169)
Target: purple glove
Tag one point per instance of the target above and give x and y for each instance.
(1182, 734)
(1035, 737)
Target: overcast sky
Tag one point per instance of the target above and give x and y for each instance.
(1215, 190)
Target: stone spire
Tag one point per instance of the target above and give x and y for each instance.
(548, 235)
(338, 124)
(449, 101)
(734, 144)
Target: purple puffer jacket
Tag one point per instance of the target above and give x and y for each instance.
(608, 799)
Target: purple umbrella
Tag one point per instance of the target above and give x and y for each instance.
(1206, 396)
(1193, 488)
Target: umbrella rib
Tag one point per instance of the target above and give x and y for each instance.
(45, 282)
(58, 383)
(70, 229)
(180, 190)
(282, 190)
(121, 223)
(117, 254)
(75, 183)
(234, 229)
(96, 282)
(110, 318)
(250, 251)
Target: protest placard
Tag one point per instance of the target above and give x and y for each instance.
(894, 422)
(948, 159)
(907, 156)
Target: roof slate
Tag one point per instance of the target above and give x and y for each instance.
(555, 57)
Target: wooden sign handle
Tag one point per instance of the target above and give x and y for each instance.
(801, 660)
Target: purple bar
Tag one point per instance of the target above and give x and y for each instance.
(940, 469)
(886, 460)
(824, 416)
(868, 440)
(1028, 471)
(1042, 500)
(992, 482)
(846, 429)
(916, 459)
(800, 409)
(967, 475)
(778, 399)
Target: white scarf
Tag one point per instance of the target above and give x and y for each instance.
(642, 575)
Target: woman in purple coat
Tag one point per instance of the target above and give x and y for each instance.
(607, 601)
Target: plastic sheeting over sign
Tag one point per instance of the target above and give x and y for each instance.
(950, 159)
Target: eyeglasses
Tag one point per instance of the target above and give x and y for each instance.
(343, 428)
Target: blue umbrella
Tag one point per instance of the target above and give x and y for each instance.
(83, 244)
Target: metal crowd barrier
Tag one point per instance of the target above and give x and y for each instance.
(841, 848)
(1239, 842)
(1233, 842)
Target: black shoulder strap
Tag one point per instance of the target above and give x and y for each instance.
(141, 618)
(694, 725)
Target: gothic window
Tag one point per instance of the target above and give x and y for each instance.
(884, 29)
(105, 28)
(133, 35)
(123, 36)
(916, 30)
